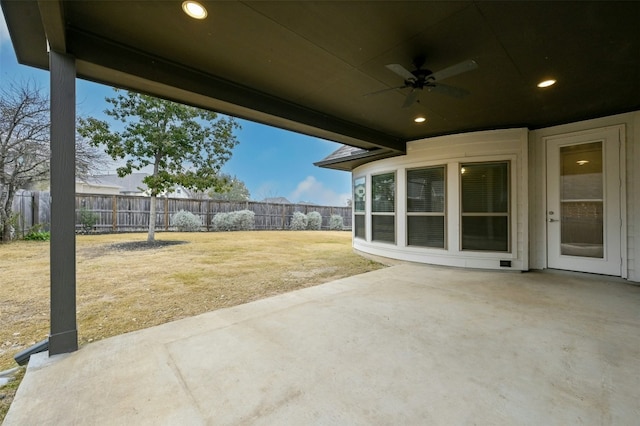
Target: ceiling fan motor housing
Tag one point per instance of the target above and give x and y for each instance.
(422, 79)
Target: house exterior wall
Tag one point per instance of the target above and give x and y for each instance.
(451, 151)
(526, 151)
(89, 188)
(630, 158)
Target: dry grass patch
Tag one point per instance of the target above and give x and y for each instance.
(121, 290)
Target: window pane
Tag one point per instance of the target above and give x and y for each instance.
(425, 190)
(425, 231)
(485, 187)
(489, 233)
(383, 228)
(359, 192)
(383, 192)
(359, 226)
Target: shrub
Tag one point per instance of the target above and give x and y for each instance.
(298, 221)
(336, 222)
(186, 221)
(37, 234)
(222, 222)
(242, 220)
(88, 219)
(314, 221)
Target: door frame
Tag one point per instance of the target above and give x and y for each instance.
(621, 131)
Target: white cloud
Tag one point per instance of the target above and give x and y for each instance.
(310, 189)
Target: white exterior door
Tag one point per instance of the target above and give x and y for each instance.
(583, 202)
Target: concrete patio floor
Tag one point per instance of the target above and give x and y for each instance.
(410, 344)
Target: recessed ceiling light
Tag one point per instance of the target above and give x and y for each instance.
(419, 119)
(546, 83)
(194, 9)
(582, 162)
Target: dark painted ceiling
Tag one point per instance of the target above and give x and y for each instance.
(306, 66)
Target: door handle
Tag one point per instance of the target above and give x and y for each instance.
(553, 220)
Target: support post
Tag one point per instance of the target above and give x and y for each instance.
(64, 333)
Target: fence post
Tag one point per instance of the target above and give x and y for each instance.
(166, 214)
(208, 213)
(35, 208)
(114, 214)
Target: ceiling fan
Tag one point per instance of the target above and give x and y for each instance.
(422, 78)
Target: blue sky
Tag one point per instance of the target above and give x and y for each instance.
(272, 162)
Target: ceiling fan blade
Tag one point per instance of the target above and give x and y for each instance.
(454, 70)
(401, 71)
(388, 89)
(456, 92)
(411, 98)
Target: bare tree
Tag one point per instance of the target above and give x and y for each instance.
(24, 146)
(89, 159)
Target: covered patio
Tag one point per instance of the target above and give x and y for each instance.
(335, 70)
(409, 344)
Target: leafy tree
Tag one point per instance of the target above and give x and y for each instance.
(24, 146)
(234, 190)
(184, 145)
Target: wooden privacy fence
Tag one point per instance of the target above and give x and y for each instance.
(127, 213)
(31, 207)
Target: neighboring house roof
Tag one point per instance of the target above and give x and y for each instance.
(277, 200)
(130, 184)
(348, 157)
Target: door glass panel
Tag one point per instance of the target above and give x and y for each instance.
(581, 200)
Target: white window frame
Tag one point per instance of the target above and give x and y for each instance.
(380, 214)
(442, 214)
(507, 214)
(359, 213)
